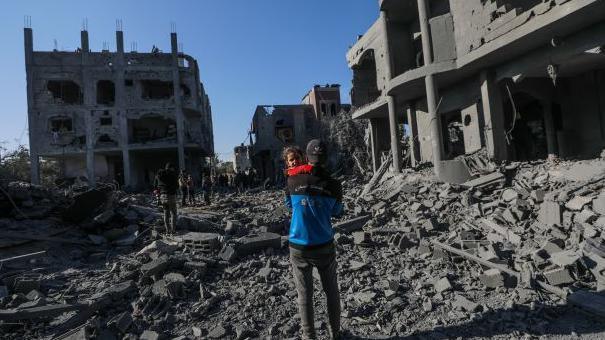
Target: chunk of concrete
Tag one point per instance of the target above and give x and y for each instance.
(461, 302)
(598, 204)
(155, 267)
(228, 253)
(352, 225)
(252, 244)
(492, 278)
(361, 237)
(559, 276)
(578, 202)
(509, 195)
(551, 213)
(442, 285)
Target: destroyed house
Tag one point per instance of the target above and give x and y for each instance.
(523, 80)
(116, 115)
(275, 127)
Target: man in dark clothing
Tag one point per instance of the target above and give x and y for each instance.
(166, 181)
(206, 187)
(314, 197)
(183, 187)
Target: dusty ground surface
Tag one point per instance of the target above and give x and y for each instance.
(114, 282)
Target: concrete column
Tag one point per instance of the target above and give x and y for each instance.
(493, 114)
(88, 91)
(549, 126)
(176, 81)
(34, 159)
(120, 107)
(84, 46)
(374, 144)
(414, 142)
(90, 150)
(395, 150)
(431, 88)
(394, 134)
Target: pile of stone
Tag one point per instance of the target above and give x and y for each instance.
(514, 251)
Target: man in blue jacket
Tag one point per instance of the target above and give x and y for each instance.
(314, 197)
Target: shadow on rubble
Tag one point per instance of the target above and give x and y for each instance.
(515, 323)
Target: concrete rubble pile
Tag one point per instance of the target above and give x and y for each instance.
(512, 253)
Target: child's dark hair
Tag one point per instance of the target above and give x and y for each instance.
(292, 149)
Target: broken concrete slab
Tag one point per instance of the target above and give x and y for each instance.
(495, 178)
(558, 276)
(462, 303)
(251, 244)
(598, 204)
(442, 285)
(48, 311)
(492, 278)
(551, 213)
(361, 237)
(352, 225)
(578, 202)
(155, 267)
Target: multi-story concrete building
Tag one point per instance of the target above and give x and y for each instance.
(275, 127)
(324, 99)
(116, 115)
(524, 79)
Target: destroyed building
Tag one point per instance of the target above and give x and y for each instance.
(324, 99)
(116, 116)
(241, 158)
(522, 79)
(273, 128)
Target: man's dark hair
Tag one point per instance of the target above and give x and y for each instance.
(317, 152)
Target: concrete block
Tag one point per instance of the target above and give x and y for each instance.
(551, 213)
(252, 244)
(352, 224)
(228, 253)
(585, 216)
(361, 237)
(150, 335)
(155, 267)
(443, 285)
(509, 195)
(462, 303)
(492, 278)
(559, 276)
(598, 204)
(431, 224)
(577, 203)
(537, 195)
(201, 241)
(553, 246)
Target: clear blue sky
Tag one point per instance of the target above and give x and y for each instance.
(249, 52)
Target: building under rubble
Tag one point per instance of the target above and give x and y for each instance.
(524, 79)
(116, 116)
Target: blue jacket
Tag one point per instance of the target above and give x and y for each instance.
(314, 197)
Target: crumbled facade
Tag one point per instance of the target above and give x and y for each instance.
(324, 99)
(522, 79)
(116, 116)
(275, 127)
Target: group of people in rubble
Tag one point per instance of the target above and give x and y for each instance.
(313, 198)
